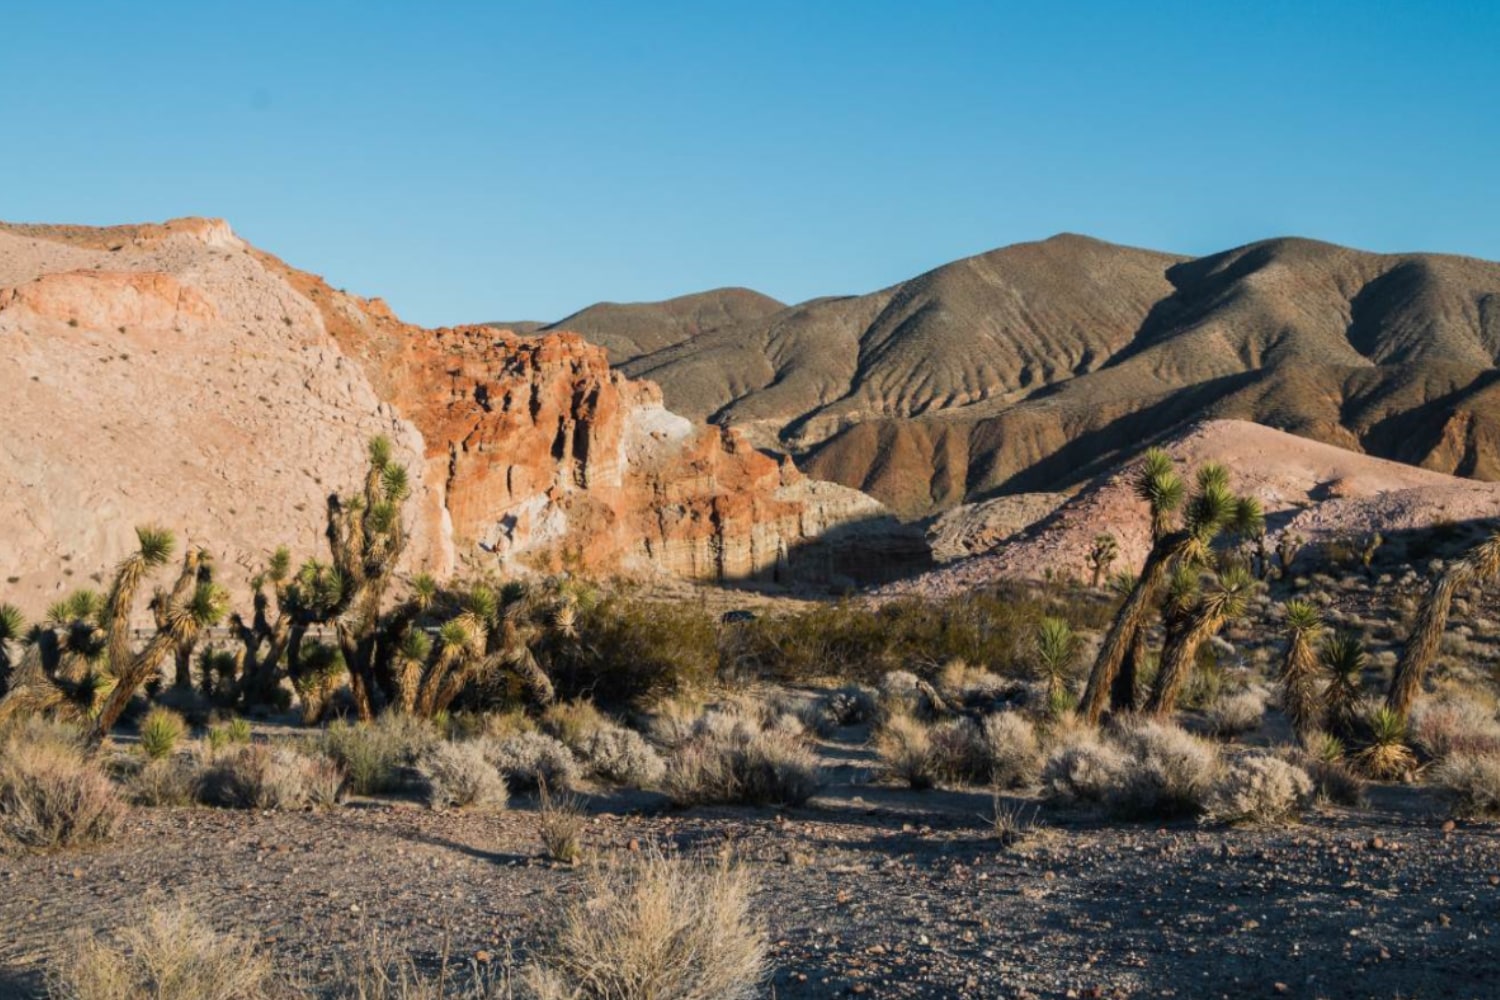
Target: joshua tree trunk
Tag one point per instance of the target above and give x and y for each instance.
(1481, 563)
(1178, 657)
(1123, 694)
(1129, 622)
(1422, 645)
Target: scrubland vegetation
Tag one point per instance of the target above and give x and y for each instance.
(1219, 687)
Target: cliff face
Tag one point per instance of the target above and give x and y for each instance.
(171, 374)
(542, 455)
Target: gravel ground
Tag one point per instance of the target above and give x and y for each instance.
(867, 891)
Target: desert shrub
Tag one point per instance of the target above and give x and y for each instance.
(268, 777)
(622, 756)
(904, 746)
(850, 705)
(1472, 781)
(1015, 754)
(167, 782)
(378, 756)
(961, 752)
(1169, 770)
(1442, 727)
(740, 764)
(652, 927)
(51, 794)
(860, 642)
(1013, 823)
(456, 775)
(161, 730)
(904, 693)
(1258, 789)
(529, 760)
(636, 649)
(559, 823)
(1083, 767)
(172, 954)
(673, 719)
(1233, 714)
(962, 684)
(573, 722)
(503, 725)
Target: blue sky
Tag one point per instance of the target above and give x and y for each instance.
(508, 161)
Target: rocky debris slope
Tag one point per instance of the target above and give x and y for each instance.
(1038, 366)
(174, 374)
(1316, 491)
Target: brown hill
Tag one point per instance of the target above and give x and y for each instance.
(1036, 366)
(173, 374)
(1318, 492)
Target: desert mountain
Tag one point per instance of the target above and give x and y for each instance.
(173, 374)
(1034, 367)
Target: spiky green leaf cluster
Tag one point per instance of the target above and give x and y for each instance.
(1158, 483)
(380, 451)
(155, 545)
(394, 482)
(12, 623)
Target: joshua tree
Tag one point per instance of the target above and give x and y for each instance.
(1056, 649)
(1224, 601)
(1210, 509)
(154, 549)
(194, 606)
(1372, 544)
(1481, 563)
(1299, 669)
(1248, 523)
(1102, 555)
(12, 630)
(161, 611)
(1343, 659)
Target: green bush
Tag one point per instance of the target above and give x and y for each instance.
(161, 731)
(630, 650)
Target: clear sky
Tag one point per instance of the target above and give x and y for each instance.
(476, 161)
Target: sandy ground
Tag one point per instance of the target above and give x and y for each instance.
(868, 890)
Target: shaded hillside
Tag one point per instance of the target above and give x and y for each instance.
(1034, 366)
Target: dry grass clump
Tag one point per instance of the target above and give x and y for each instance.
(170, 782)
(1258, 789)
(573, 723)
(457, 776)
(673, 720)
(529, 760)
(1014, 823)
(904, 693)
(1015, 753)
(904, 746)
(560, 823)
(1235, 714)
(1445, 726)
(652, 927)
(171, 954)
(378, 756)
(51, 793)
(730, 760)
(161, 730)
(1473, 781)
(261, 776)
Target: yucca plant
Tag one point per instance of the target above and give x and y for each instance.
(1298, 671)
(12, 631)
(1326, 747)
(1387, 755)
(1055, 650)
(1343, 658)
(161, 730)
(154, 548)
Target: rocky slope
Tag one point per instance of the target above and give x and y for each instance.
(1318, 492)
(1034, 367)
(174, 374)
